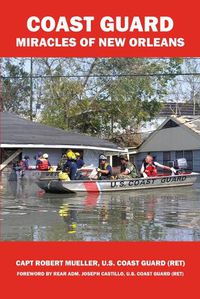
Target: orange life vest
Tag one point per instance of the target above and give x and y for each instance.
(44, 165)
(151, 170)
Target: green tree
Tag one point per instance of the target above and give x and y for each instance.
(16, 87)
(63, 103)
(129, 101)
(114, 96)
(59, 99)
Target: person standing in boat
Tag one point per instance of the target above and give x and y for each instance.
(80, 163)
(149, 167)
(128, 169)
(62, 162)
(19, 168)
(24, 163)
(104, 170)
(70, 166)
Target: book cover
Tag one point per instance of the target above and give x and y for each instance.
(100, 149)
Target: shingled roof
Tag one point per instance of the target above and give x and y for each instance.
(191, 122)
(19, 132)
(174, 134)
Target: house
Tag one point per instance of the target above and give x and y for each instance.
(180, 108)
(176, 137)
(21, 137)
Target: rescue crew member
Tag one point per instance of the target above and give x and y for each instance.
(43, 163)
(71, 166)
(46, 156)
(80, 163)
(104, 170)
(24, 163)
(128, 169)
(149, 167)
(62, 162)
(19, 168)
(38, 159)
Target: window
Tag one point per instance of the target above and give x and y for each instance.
(179, 154)
(188, 155)
(166, 158)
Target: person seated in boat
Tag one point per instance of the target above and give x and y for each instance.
(70, 166)
(128, 169)
(80, 163)
(38, 157)
(46, 156)
(104, 170)
(149, 167)
(43, 163)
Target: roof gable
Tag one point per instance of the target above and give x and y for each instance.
(170, 124)
(173, 134)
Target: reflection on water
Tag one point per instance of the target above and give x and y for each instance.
(158, 215)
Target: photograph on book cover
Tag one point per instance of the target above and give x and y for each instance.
(94, 149)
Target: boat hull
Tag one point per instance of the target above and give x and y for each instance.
(30, 175)
(35, 175)
(57, 186)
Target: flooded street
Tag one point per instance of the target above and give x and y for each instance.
(28, 214)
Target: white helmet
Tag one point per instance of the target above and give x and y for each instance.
(102, 157)
(45, 156)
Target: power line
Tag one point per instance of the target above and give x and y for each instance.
(103, 76)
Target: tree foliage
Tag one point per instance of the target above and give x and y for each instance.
(107, 97)
(16, 87)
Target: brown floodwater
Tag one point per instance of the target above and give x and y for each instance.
(28, 214)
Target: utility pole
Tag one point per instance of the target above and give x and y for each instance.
(194, 104)
(31, 89)
(90, 72)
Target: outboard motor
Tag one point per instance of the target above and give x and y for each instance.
(179, 164)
